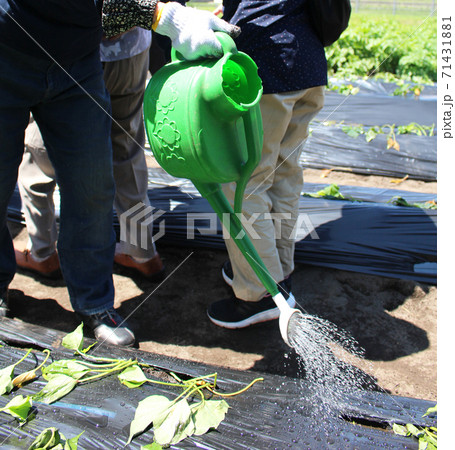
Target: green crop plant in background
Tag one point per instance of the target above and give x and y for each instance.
(389, 47)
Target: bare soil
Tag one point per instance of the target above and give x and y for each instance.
(393, 320)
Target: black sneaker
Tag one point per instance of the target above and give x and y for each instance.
(4, 310)
(109, 327)
(235, 313)
(287, 283)
(228, 276)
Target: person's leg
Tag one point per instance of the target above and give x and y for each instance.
(250, 304)
(125, 81)
(75, 125)
(18, 88)
(246, 285)
(288, 182)
(12, 126)
(10, 157)
(36, 184)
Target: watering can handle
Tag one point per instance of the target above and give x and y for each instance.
(227, 44)
(254, 150)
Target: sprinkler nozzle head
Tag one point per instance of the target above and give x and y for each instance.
(287, 317)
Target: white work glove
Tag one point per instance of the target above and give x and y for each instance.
(192, 30)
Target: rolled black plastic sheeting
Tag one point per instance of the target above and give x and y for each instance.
(329, 147)
(279, 412)
(373, 237)
(375, 106)
(364, 233)
(378, 87)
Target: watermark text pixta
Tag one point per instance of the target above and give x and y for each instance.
(141, 221)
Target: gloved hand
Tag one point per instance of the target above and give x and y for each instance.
(192, 31)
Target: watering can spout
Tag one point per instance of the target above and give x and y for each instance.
(287, 317)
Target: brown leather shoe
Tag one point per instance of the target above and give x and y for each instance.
(49, 268)
(153, 269)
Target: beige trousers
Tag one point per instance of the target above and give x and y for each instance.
(274, 189)
(125, 80)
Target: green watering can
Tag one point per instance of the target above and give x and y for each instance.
(204, 123)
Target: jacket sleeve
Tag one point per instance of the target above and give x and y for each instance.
(119, 16)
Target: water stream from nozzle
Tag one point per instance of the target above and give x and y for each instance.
(326, 355)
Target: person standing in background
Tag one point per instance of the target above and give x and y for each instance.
(50, 67)
(125, 65)
(291, 60)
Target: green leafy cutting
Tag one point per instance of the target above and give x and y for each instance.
(64, 375)
(6, 376)
(51, 438)
(400, 201)
(74, 340)
(333, 192)
(30, 375)
(56, 388)
(171, 419)
(390, 130)
(6, 379)
(427, 436)
(193, 412)
(174, 420)
(343, 89)
(69, 367)
(19, 408)
(208, 414)
(353, 131)
(48, 438)
(133, 377)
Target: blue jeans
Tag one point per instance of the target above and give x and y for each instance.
(71, 107)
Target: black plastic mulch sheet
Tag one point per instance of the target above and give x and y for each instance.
(374, 105)
(369, 235)
(276, 413)
(376, 86)
(330, 147)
